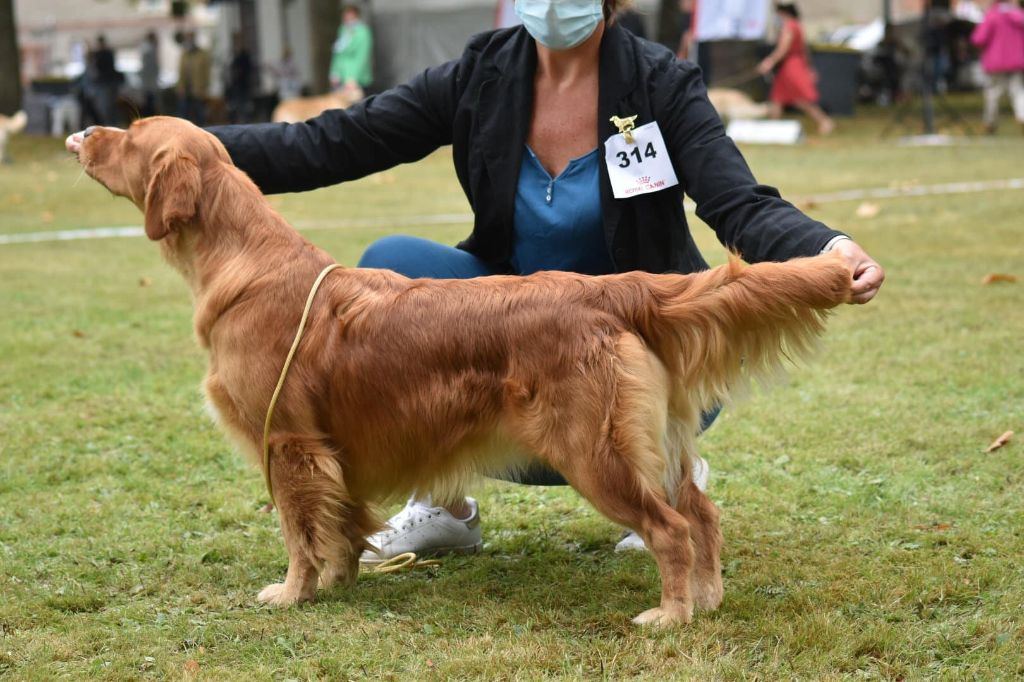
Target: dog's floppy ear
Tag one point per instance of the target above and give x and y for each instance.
(172, 197)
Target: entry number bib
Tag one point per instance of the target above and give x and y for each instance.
(641, 167)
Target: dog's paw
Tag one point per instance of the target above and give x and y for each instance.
(663, 617)
(278, 594)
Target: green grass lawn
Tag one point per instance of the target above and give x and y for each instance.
(867, 533)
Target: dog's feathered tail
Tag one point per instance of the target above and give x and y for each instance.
(718, 330)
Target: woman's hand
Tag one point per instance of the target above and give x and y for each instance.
(766, 66)
(868, 275)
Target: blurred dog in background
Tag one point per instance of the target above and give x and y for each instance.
(734, 105)
(304, 108)
(10, 125)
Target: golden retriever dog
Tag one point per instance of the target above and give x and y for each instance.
(403, 385)
(734, 104)
(10, 125)
(304, 108)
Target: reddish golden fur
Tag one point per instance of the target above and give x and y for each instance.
(403, 385)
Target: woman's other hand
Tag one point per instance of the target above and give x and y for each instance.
(868, 275)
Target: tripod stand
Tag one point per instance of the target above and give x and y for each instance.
(925, 86)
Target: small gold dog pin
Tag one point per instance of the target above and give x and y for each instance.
(625, 125)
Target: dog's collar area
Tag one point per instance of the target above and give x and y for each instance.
(284, 373)
(392, 565)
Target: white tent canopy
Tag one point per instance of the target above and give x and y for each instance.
(732, 19)
(411, 36)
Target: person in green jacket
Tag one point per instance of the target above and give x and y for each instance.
(351, 68)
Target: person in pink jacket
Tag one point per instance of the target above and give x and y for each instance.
(1001, 39)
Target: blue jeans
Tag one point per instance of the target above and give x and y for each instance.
(416, 257)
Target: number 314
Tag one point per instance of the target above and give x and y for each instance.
(649, 153)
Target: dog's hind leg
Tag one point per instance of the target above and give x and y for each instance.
(702, 514)
(311, 499)
(611, 485)
(699, 511)
(621, 467)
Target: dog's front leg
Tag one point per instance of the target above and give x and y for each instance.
(311, 499)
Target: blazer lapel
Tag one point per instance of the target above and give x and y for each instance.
(503, 116)
(617, 77)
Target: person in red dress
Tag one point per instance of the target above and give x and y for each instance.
(795, 81)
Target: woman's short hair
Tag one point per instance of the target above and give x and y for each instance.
(787, 8)
(612, 6)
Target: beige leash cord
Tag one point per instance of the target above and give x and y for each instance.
(396, 563)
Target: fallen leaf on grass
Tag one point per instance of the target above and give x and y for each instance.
(384, 178)
(994, 277)
(145, 281)
(808, 205)
(1000, 442)
(933, 526)
(191, 669)
(868, 210)
(78, 334)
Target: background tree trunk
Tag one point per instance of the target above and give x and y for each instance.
(325, 16)
(10, 62)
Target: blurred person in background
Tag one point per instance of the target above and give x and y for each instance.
(193, 80)
(150, 75)
(286, 74)
(106, 84)
(1000, 36)
(686, 28)
(352, 62)
(241, 78)
(795, 83)
(86, 90)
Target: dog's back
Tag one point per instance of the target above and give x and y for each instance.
(477, 346)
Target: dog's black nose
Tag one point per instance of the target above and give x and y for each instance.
(88, 131)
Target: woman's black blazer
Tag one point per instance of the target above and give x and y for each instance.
(481, 104)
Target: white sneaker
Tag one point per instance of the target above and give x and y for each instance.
(701, 470)
(426, 531)
(633, 542)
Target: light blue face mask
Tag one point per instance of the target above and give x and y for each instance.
(560, 24)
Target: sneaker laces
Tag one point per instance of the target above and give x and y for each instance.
(413, 514)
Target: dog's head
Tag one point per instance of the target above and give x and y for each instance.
(158, 163)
